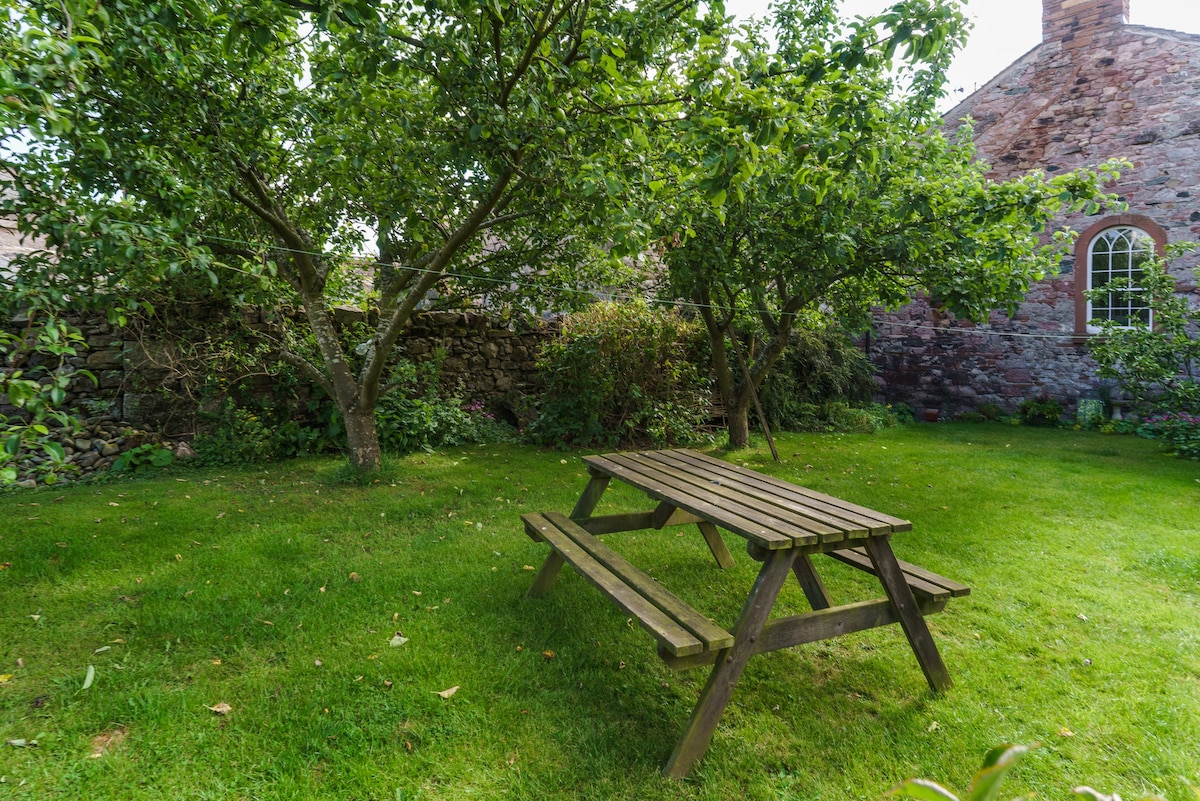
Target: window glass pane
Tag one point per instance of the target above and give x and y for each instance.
(1120, 253)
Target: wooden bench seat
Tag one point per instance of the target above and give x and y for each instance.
(922, 582)
(679, 629)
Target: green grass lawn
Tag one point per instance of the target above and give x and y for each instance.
(277, 590)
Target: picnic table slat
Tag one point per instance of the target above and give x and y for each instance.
(713, 636)
(669, 633)
(703, 507)
(873, 519)
(858, 557)
(746, 506)
(843, 525)
(724, 507)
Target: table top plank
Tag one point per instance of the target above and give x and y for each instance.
(823, 514)
(878, 522)
(754, 531)
(753, 503)
(727, 506)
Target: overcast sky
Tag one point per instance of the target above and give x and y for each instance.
(1005, 30)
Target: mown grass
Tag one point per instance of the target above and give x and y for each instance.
(277, 590)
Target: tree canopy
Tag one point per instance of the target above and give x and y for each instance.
(514, 147)
(251, 149)
(864, 201)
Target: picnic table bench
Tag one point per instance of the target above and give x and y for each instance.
(783, 525)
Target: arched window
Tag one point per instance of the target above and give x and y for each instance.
(1115, 249)
(1119, 254)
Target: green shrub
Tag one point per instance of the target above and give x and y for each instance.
(1179, 430)
(413, 416)
(1155, 366)
(236, 435)
(1040, 411)
(989, 411)
(1090, 413)
(622, 374)
(820, 366)
(144, 458)
(259, 430)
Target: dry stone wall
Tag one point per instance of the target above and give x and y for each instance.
(482, 358)
(1095, 89)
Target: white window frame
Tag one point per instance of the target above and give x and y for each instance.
(1124, 242)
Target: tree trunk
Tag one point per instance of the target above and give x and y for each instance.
(737, 420)
(363, 439)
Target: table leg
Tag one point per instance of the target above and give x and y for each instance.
(892, 578)
(730, 663)
(810, 582)
(546, 576)
(715, 544)
(591, 496)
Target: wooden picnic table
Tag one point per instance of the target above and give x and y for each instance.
(783, 525)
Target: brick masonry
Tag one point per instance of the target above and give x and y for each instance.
(1095, 88)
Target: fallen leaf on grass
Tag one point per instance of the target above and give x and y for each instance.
(102, 649)
(107, 742)
(317, 662)
(5, 678)
(1065, 732)
(89, 678)
(22, 743)
(398, 640)
(355, 577)
(266, 623)
(221, 708)
(528, 567)
(548, 654)
(449, 692)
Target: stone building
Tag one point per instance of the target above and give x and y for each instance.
(1095, 88)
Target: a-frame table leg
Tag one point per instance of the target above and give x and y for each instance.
(730, 663)
(810, 582)
(915, 628)
(546, 576)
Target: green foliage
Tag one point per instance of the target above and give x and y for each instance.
(35, 378)
(244, 150)
(1040, 411)
(864, 199)
(622, 374)
(413, 416)
(985, 786)
(1089, 413)
(144, 458)
(237, 436)
(259, 431)
(989, 411)
(1158, 366)
(1180, 431)
(820, 366)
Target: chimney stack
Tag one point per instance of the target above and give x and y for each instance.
(1073, 22)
